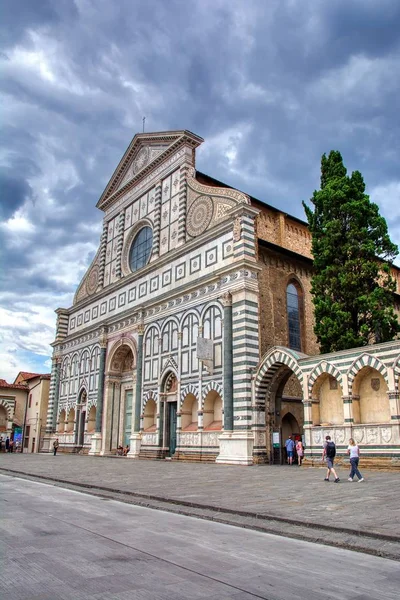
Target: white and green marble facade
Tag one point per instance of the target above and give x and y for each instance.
(203, 248)
(130, 334)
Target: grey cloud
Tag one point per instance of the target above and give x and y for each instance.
(14, 192)
(266, 74)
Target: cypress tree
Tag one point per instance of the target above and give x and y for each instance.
(352, 287)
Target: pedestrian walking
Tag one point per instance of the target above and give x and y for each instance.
(289, 445)
(354, 451)
(7, 444)
(11, 446)
(329, 453)
(55, 446)
(300, 452)
(2, 447)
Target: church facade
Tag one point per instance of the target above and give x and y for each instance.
(195, 286)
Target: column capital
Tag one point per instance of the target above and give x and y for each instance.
(140, 329)
(226, 299)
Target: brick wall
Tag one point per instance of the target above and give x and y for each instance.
(277, 270)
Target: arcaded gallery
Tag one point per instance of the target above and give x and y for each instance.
(191, 335)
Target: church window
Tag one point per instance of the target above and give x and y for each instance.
(141, 249)
(293, 311)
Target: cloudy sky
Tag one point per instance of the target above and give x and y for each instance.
(269, 84)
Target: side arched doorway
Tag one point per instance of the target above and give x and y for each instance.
(81, 406)
(279, 410)
(169, 395)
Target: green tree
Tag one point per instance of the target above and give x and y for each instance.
(352, 287)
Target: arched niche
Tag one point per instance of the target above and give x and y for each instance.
(189, 416)
(150, 416)
(212, 412)
(371, 391)
(91, 420)
(327, 401)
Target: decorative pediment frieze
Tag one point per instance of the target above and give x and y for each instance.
(146, 152)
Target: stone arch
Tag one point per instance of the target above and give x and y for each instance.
(186, 314)
(278, 367)
(155, 326)
(211, 386)
(271, 362)
(189, 389)
(366, 360)
(118, 355)
(150, 395)
(324, 367)
(8, 408)
(208, 306)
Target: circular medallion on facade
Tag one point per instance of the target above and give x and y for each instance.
(92, 280)
(199, 215)
(141, 160)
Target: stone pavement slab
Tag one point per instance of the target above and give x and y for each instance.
(291, 494)
(103, 550)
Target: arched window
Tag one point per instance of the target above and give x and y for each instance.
(141, 248)
(293, 312)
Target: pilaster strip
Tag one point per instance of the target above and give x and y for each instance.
(228, 363)
(53, 392)
(139, 376)
(100, 390)
(157, 220)
(102, 258)
(121, 227)
(182, 204)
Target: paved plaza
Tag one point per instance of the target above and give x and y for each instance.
(60, 544)
(298, 499)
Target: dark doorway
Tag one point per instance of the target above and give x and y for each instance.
(172, 410)
(81, 428)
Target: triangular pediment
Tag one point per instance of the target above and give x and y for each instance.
(145, 151)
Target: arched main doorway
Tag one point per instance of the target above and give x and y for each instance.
(278, 404)
(120, 375)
